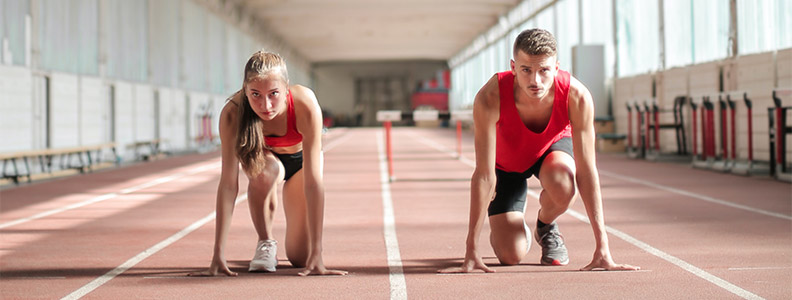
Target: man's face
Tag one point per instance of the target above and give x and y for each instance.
(535, 73)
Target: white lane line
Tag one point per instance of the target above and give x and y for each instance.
(108, 196)
(697, 196)
(669, 258)
(99, 281)
(398, 286)
(641, 245)
(758, 268)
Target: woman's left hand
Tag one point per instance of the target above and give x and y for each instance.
(315, 266)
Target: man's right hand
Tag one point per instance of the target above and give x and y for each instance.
(472, 263)
(218, 267)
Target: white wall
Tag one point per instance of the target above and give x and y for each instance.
(199, 104)
(144, 113)
(16, 123)
(123, 114)
(93, 111)
(173, 128)
(64, 110)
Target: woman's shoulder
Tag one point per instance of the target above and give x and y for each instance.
(303, 97)
(231, 107)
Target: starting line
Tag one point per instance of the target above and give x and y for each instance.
(387, 117)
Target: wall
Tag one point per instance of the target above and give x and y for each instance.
(756, 74)
(347, 88)
(150, 71)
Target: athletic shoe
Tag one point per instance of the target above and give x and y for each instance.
(265, 258)
(554, 251)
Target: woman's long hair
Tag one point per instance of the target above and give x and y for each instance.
(250, 138)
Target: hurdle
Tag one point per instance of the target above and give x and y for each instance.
(748, 166)
(778, 131)
(636, 141)
(707, 158)
(655, 126)
(387, 117)
(723, 162)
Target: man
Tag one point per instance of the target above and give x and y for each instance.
(535, 120)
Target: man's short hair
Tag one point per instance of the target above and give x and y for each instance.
(535, 42)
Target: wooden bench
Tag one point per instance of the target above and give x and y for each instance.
(152, 149)
(45, 158)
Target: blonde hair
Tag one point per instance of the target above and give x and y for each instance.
(250, 138)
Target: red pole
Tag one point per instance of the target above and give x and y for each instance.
(724, 133)
(629, 128)
(733, 134)
(657, 128)
(646, 137)
(779, 137)
(389, 149)
(750, 135)
(694, 132)
(459, 139)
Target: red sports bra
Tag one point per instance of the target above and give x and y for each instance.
(292, 136)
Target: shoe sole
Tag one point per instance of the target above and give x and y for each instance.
(555, 262)
(260, 268)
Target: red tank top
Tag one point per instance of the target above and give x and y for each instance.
(292, 136)
(517, 147)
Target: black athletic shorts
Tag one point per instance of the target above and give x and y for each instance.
(512, 188)
(292, 163)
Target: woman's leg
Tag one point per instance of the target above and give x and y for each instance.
(295, 208)
(263, 196)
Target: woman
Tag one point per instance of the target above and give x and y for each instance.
(274, 132)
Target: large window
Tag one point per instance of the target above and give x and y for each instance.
(68, 36)
(597, 24)
(678, 31)
(763, 25)
(126, 39)
(567, 32)
(12, 31)
(215, 48)
(164, 42)
(638, 31)
(710, 30)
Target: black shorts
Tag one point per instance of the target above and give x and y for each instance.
(511, 189)
(292, 163)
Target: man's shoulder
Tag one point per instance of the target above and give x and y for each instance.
(489, 95)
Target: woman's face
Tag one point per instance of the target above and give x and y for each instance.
(267, 95)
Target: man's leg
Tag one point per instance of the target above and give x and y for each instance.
(557, 177)
(509, 235)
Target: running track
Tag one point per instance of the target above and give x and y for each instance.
(135, 232)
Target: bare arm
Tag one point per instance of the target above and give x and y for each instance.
(486, 111)
(227, 191)
(581, 116)
(310, 126)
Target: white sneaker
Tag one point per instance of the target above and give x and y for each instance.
(265, 258)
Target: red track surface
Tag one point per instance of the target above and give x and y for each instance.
(686, 228)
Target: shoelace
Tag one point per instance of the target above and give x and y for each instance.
(265, 252)
(551, 239)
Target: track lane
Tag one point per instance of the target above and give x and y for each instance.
(767, 286)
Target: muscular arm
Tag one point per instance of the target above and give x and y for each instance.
(310, 126)
(227, 191)
(581, 116)
(486, 110)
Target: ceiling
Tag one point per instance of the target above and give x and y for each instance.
(367, 30)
